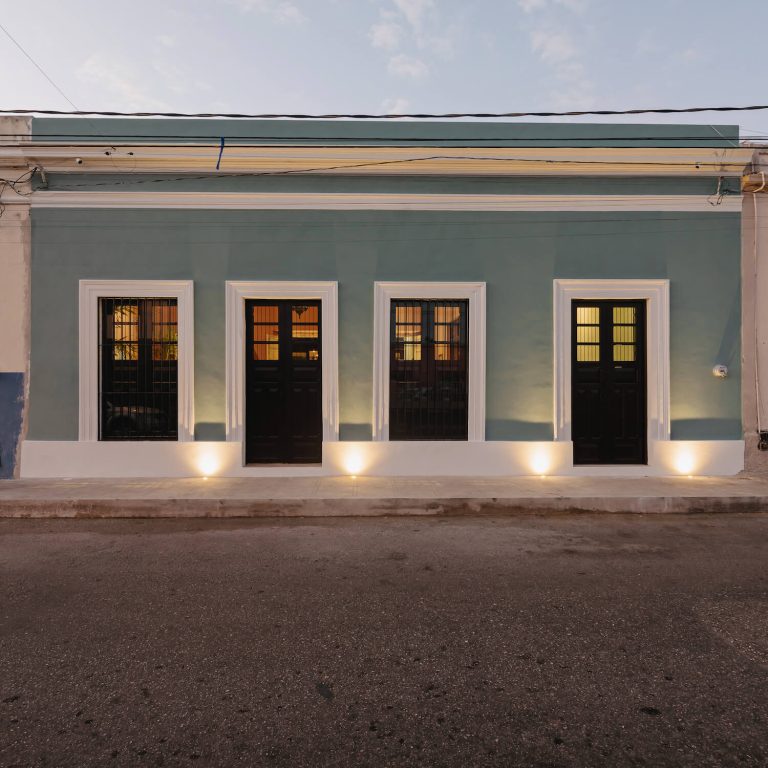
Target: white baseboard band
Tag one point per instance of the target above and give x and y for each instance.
(80, 459)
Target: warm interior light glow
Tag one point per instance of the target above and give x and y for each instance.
(354, 462)
(207, 464)
(685, 462)
(540, 462)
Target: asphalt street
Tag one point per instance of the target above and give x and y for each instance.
(580, 640)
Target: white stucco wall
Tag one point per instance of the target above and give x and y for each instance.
(755, 319)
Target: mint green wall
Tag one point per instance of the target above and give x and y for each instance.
(517, 254)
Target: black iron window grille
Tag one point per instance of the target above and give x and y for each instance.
(138, 353)
(428, 387)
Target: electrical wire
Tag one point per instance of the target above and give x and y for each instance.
(382, 116)
(371, 164)
(39, 69)
(165, 139)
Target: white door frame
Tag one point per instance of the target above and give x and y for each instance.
(383, 293)
(237, 291)
(656, 293)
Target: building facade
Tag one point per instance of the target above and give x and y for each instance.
(276, 298)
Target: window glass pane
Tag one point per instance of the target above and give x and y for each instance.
(410, 352)
(588, 315)
(408, 333)
(587, 353)
(446, 352)
(409, 313)
(445, 314)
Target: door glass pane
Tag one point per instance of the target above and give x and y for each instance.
(587, 353)
(624, 353)
(265, 313)
(588, 315)
(587, 334)
(624, 315)
(266, 352)
(266, 333)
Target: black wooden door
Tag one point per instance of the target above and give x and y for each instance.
(608, 373)
(283, 382)
(428, 370)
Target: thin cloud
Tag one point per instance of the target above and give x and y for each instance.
(120, 81)
(553, 47)
(531, 6)
(407, 66)
(282, 11)
(385, 34)
(414, 10)
(395, 106)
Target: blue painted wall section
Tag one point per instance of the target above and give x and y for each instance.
(11, 414)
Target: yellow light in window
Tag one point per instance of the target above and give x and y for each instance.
(588, 315)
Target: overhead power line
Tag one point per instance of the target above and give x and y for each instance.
(39, 68)
(364, 116)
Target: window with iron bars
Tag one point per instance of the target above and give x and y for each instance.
(138, 354)
(428, 397)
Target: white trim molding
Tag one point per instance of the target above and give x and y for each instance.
(656, 293)
(90, 293)
(343, 201)
(237, 292)
(382, 296)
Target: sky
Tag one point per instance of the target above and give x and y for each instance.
(389, 56)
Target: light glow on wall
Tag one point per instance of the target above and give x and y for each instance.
(208, 464)
(685, 461)
(540, 462)
(354, 461)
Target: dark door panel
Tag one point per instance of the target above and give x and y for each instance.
(283, 382)
(608, 371)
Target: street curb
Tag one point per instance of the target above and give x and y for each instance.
(373, 507)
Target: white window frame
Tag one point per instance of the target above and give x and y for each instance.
(383, 294)
(656, 293)
(90, 292)
(237, 291)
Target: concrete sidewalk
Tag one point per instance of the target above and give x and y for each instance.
(376, 496)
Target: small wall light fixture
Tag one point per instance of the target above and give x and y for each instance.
(720, 371)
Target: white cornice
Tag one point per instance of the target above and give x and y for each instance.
(443, 161)
(383, 202)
